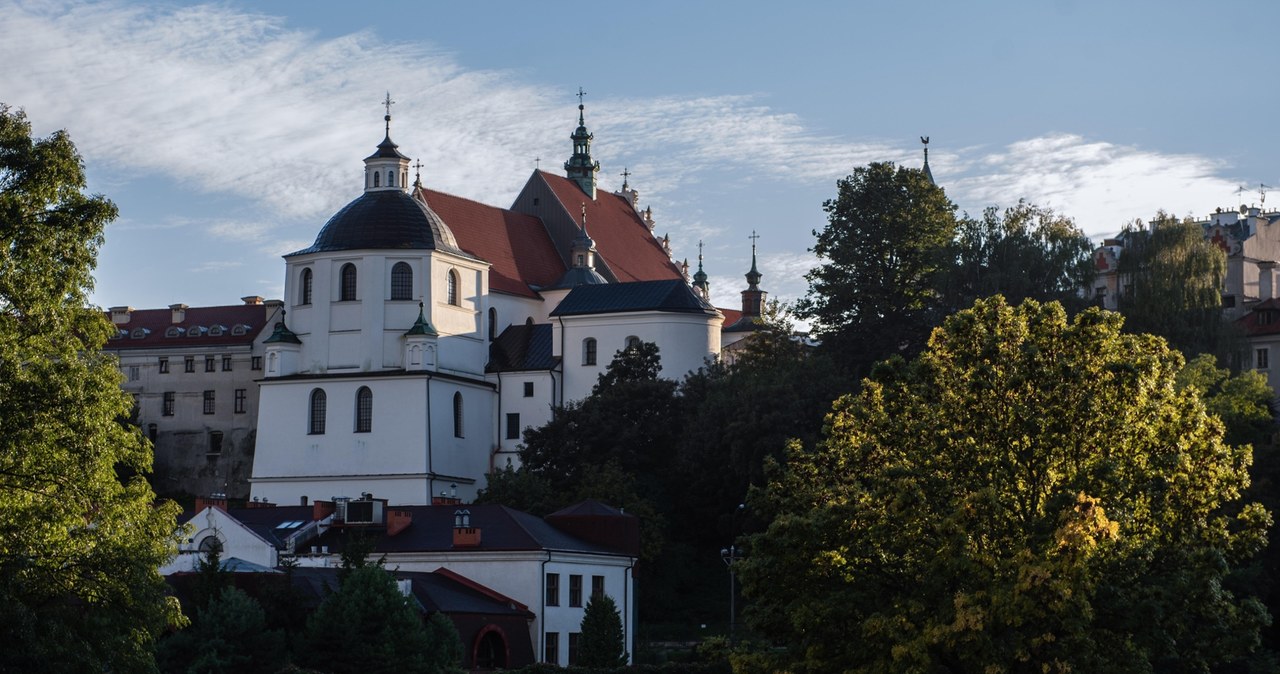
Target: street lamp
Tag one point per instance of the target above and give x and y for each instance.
(730, 555)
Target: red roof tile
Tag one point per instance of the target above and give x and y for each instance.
(155, 322)
(517, 245)
(621, 237)
(731, 316)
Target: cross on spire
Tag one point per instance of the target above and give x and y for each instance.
(417, 173)
(699, 253)
(537, 162)
(625, 174)
(581, 93)
(387, 102)
(753, 238)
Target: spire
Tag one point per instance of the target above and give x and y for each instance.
(421, 326)
(700, 277)
(580, 168)
(753, 276)
(582, 251)
(417, 175)
(282, 333)
(927, 173)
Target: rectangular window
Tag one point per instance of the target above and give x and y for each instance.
(573, 649)
(1262, 358)
(513, 426)
(209, 364)
(135, 373)
(575, 590)
(551, 648)
(208, 402)
(189, 364)
(528, 389)
(215, 442)
(168, 404)
(255, 363)
(226, 363)
(164, 366)
(240, 396)
(553, 589)
(597, 586)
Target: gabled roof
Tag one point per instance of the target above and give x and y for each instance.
(521, 348)
(516, 245)
(264, 522)
(1253, 322)
(154, 323)
(622, 239)
(672, 296)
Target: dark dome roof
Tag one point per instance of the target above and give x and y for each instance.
(385, 219)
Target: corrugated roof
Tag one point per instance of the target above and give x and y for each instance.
(521, 348)
(672, 296)
(155, 322)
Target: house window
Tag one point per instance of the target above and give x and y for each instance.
(573, 649)
(633, 342)
(347, 288)
(315, 422)
(1262, 358)
(164, 366)
(304, 287)
(1264, 317)
(153, 432)
(493, 324)
(215, 442)
(575, 590)
(457, 415)
(553, 589)
(589, 351)
(135, 373)
(528, 389)
(513, 426)
(364, 410)
(451, 287)
(240, 397)
(189, 364)
(401, 281)
(255, 363)
(208, 402)
(167, 409)
(597, 586)
(226, 363)
(551, 648)
(209, 364)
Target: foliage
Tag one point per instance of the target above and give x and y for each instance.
(79, 547)
(368, 626)
(447, 651)
(1029, 493)
(1171, 285)
(228, 636)
(1024, 252)
(211, 578)
(1242, 401)
(601, 643)
(884, 250)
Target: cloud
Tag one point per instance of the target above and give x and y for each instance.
(217, 265)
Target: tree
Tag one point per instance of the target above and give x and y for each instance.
(368, 626)
(885, 244)
(1023, 252)
(79, 545)
(228, 636)
(1242, 401)
(1027, 494)
(601, 643)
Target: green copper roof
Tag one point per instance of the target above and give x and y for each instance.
(282, 334)
(421, 326)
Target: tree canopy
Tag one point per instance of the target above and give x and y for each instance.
(79, 545)
(1028, 494)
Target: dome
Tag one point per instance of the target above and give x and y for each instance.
(384, 220)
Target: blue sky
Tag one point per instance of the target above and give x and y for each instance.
(228, 133)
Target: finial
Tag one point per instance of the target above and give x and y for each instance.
(537, 162)
(625, 174)
(417, 173)
(581, 107)
(924, 140)
(699, 254)
(584, 217)
(387, 102)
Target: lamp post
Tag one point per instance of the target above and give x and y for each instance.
(730, 555)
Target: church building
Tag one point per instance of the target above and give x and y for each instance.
(422, 332)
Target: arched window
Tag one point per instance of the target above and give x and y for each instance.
(347, 291)
(316, 417)
(376, 178)
(401, 281)
(451, 289)
(457, 415)
(364, 410)
(633, 342)
(391, 178)
(589, 351)
(304, 289)
(493, 324)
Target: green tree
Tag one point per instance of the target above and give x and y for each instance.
(1242, 401)
(1023, 252)
(228, 636)
(883, 251)
(79, 546)
(1028, 494)
(368, 626)
(601, 643)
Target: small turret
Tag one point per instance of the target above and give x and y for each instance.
(386, 169)
(700, 284)
(580, 168)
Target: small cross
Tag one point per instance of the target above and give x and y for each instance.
(753, 238)
(581, 93)
(537, 162)
(388, 103)
(625, 174)
(699, 251)
(417, 171)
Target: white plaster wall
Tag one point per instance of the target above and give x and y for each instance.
(237, 541)
(534, 410)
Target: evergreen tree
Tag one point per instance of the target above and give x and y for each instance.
(228, 636)
(79, 545)
(601, 643)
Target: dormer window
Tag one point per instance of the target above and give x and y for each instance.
(239, 330)
(195, 331)
(1265, 317)
(216, 330)
(139, 333)
(173, 331)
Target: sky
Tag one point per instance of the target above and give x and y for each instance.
(228, 133)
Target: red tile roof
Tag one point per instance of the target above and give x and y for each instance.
(731, 316)
(517, 245)
(156, 321)
(621, 237)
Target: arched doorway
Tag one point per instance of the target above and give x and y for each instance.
(491, 649)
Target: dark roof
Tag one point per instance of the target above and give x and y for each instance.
(387, 150)
(439, 590)
(521, 347)
(588, 508)
(384, 220)
(744, 324)
(265, 522)
(672, 296)
(198, 320)
(577, 276)
(1252, 322)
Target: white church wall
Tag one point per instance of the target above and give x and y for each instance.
(237, 541)
(532, 410)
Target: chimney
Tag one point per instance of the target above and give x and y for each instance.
(398, 520)
(218, 501)
(322, 509)
(179, 313)
(259, 503)
(464, 535)
(1266, 280)
(120, 315)
(252, 300)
